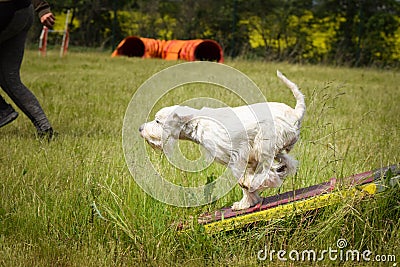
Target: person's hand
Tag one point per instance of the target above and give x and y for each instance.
(48, 20)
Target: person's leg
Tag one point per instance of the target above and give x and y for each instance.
(7, 113)
(11, 55)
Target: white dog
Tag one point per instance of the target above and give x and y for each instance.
(253, 141)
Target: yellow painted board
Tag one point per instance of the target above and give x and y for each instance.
(288, 209)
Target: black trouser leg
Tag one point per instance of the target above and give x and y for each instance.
(11, 55)
(3, 104)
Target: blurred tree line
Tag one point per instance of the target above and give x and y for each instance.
(350, 32)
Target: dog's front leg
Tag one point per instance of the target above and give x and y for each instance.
(249, 199)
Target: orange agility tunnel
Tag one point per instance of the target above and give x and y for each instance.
(191, 50)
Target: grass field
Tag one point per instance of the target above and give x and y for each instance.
(47, 190)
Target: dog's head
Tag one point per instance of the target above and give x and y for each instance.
(166, 126)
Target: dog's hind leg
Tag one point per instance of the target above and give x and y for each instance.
(285, 165)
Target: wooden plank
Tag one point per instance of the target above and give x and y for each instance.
(298, 201)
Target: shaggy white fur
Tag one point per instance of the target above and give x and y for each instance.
(253, 141)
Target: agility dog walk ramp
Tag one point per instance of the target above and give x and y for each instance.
(301, 200)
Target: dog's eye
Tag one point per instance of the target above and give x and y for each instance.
(158, 122)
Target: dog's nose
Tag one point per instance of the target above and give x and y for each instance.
(141, 128)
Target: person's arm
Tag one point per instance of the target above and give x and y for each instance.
(42, 8)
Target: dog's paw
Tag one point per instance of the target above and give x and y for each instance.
(247, 202)
(240, 205)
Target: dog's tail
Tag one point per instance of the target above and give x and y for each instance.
(300, 108)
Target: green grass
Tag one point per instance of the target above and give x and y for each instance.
(48, 189)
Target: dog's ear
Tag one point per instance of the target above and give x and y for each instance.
(183, 115)
(182, 118)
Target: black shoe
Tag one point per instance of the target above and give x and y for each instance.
(48, 134)
(7, 116)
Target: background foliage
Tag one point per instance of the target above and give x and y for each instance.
(351, 32)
